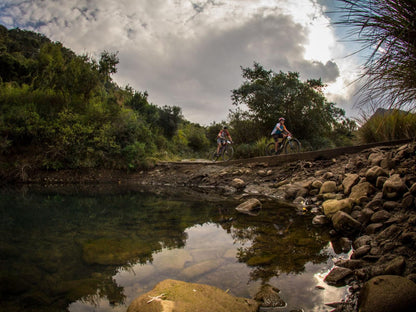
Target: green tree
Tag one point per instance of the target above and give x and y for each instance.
(108, 64)
(269, 95)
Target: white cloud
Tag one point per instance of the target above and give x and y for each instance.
(189, 53)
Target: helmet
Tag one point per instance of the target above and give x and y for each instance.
(281, 118)
(225, 127)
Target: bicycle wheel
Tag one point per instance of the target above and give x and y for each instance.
(270, 149)
(292, 146)
(213, 156)
(228, 153)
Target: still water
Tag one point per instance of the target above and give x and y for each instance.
(97, 250)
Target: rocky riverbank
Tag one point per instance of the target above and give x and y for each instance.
(367, 199)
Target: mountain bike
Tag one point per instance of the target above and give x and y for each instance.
(289, 145)
(226, 152)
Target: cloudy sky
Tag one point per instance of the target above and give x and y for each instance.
(189, 53)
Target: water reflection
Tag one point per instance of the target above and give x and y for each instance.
(83, 251)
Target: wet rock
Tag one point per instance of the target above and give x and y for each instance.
(344, 223)
(388, 293)
(352, 264)
(268, 297)
(250, 206)
(320, 220)
(338, 276)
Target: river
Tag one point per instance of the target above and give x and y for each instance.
(76, 249)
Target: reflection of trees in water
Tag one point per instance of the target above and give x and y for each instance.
(278, 241)
(59, 249)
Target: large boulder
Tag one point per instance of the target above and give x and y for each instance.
(387, 293)
(172, 295)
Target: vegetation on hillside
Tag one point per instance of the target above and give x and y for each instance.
(60, 110)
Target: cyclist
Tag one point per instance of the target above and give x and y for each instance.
(279, 133)
(222, 138)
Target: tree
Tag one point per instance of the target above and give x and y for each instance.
(108, 64)
(387, 28)
(268, 96)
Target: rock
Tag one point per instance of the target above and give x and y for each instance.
(344, 223)
(362, 241)
(374, 172)
(361, 190)
(316, 184)
(412, 189)
(350, 180)
(342, 244)
(320, 220)
(374, 228)
(328, 187)
(393, 187)
(380, 182)
(268, 297)
(360, 252)
(332, 206)
(365, 215)
(389, 232)
(380, 216)
(171, 295)
(408, 201)
(375, 204)
(375, 158)
(250, 206)
(390, 205)
(352, 264)
(338, 276)
(387, 293)
(238, 183)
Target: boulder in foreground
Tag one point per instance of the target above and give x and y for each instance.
(172, 295)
